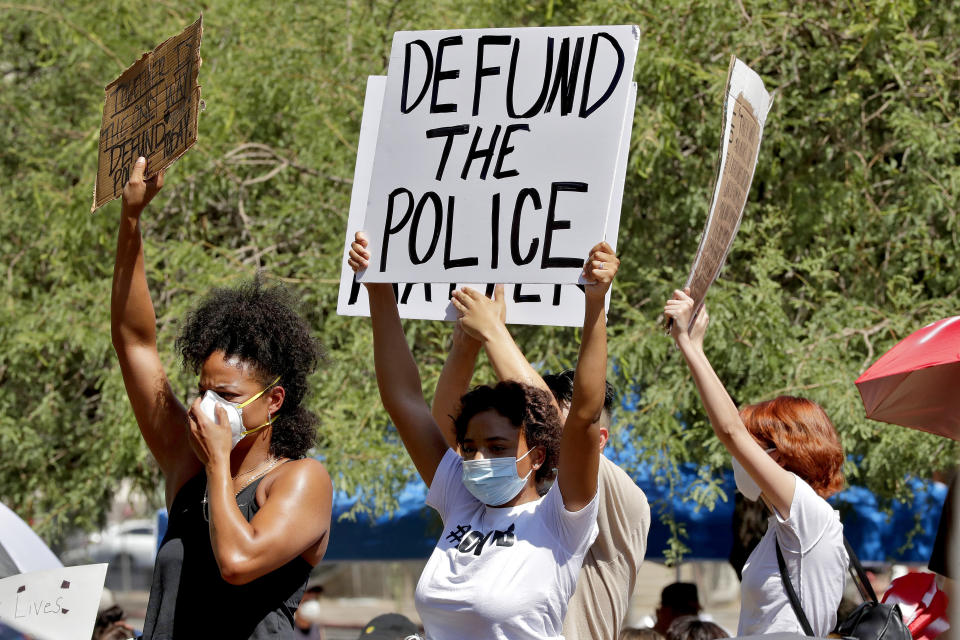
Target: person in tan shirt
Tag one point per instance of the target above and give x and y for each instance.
(609, 573)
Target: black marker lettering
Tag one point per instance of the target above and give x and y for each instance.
(556, 295)
(495, 231)
(415, 226)
(505, 150)
(566, 77)
(584, 110)
(512, 75)
(515, 228)
(553, 224)
(486, 154)
(448, 262)
(483, 71)
(449, 133)
(387, 229)
(406, 75)
(518, 296)
(354, 291)
(408, 288)
(442, 75)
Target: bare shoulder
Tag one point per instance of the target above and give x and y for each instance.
(304, 476)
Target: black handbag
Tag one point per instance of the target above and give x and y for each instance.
(872, 620)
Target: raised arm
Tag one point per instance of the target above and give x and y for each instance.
(397, 374)
(776, 482)
(454, 381)
(484, 319)
(581, 441)
(160, 416)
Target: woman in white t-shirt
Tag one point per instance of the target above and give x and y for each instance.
(507, 560)
(786, 452)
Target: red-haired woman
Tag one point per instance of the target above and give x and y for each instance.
(786, 452)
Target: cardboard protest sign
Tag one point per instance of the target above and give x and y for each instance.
(150, 111)
(56, 604)
(745, 108)
(539, 304)
(497, 153)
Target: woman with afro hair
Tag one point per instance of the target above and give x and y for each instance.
(786, 452)
(249, 515)
(507, 560)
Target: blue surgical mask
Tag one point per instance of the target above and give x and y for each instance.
(494, 481)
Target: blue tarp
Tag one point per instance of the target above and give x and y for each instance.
(413, 530)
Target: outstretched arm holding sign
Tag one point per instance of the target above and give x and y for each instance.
(785, 451)
(483, 319)
(209, 456)
(776, 482)
(454, 381)
(160, 415)
(397, 374)
(581, 442)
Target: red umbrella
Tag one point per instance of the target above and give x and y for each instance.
(917, 383)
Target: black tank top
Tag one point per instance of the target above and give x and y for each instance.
(189, 598)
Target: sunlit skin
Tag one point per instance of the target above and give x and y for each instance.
(235, 381)
(602, 423)
(294, 497)
(491, 435)
(776, 483)
(402, 396)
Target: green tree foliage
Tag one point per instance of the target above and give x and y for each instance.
(849, 241)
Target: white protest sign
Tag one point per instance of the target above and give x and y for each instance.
(745, 108)
(497, 153)
(538, 304)
(55, 604)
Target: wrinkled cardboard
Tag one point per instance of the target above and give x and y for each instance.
(150, 111)
(746, 106)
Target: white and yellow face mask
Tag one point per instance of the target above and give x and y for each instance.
(211, 400)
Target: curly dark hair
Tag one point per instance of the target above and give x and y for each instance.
(525, 407)
(261, 327)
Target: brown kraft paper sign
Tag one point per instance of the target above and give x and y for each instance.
(732, 195)
(150, 111)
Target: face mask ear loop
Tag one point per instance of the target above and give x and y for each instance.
(253, 398)
(266, 424)
(532, 468)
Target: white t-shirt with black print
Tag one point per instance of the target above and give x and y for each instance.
(503, 573)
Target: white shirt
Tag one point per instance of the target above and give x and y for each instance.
(811, 540)
(500, 573)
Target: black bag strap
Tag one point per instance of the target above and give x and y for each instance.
(791, 594)
(859, 575)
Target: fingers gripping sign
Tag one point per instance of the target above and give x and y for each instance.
(137, 192)
(519, 303)
(679, 310)
(480, 316)
(359, 255)
(599, 269)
